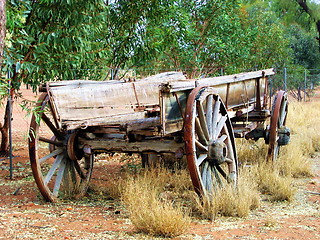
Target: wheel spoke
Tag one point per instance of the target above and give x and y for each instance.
(209, 180)
(204, 174)
(219, 127)
(206, 177)
(50, 141)
(79, 170)
(217, 176)
(71, 175)
(50, 155)
(55, 131)
(229, 160)
(220, 170)
(53, 168)
(201, 146)
(209, 114)
(215, 117)
(60, 174)
(222, 138)
(200, 133)
(203, 121)
(283, 113)
(201, 158)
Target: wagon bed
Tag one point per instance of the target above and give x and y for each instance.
(82, 103)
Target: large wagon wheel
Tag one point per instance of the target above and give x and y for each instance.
(279, 134)
(59, 170)
(209, 141)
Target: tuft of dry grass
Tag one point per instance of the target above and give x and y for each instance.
(149, 211)
(303, 119)
(305, 140)
(294, 159)
(251, 152)
(269, 177)
(271, 183)
(229, 201)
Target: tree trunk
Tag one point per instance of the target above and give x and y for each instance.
(4, 129)
(304, 5)
(2, 28)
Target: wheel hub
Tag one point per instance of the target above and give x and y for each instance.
(72, 151)
(217, 151)
(284, 136)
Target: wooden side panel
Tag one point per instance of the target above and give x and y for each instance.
(89, 103)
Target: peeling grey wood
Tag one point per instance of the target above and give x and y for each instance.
(83, 103)
(161, 146)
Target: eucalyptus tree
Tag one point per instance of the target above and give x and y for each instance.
(199, 37)
(2, 27)
(313, 11)
(51, 40)
(202, 37)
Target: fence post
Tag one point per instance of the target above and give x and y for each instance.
(305, 85)
(10, 125)
(285, 79)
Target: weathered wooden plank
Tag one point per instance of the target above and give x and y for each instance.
(141, 124)
(93, 103)
(235, 78)
(161, 146)
(103, 121)
(214, 81)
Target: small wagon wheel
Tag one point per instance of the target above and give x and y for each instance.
(209, 142)
(57, 170)
(277, 124)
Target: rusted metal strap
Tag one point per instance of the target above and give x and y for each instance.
(135, 94)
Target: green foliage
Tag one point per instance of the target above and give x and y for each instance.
(53, 40)
(48, 40)
(305, 47)
(200, 37)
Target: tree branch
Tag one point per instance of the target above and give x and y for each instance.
(304, 5)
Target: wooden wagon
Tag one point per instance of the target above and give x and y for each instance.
(166, 114)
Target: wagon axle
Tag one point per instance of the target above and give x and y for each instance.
(264, 132)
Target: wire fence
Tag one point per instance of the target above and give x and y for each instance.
(299, 82)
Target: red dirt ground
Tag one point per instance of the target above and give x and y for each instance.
(23, 213)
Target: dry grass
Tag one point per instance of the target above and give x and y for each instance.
(265, 175)
(229, 201)
(151, 209)
(154, 198)
(303, 121)
(275, 180)
(275, 186)
(251, 152)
